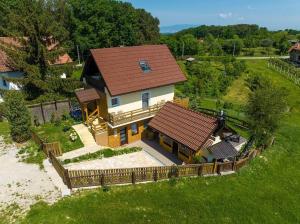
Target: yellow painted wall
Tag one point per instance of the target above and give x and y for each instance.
(166, 147)
(115, 141)
(133, 101)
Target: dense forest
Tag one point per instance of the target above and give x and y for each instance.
(242, 39)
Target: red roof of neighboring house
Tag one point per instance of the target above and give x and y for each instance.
(121, 71)
(185, 126)
(296, 47)
(10, 41)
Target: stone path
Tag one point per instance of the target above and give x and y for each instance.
(84, 134)
(22, 183)
(81, 151)
(131, 160)
(155, 150)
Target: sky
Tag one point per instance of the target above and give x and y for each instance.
(274, 14)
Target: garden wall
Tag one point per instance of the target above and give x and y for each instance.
(43, 111)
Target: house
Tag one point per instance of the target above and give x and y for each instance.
(125, 88)
(295, 53)
(183, 132)
(129, 94)
(7, 72)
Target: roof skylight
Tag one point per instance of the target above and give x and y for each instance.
(144, 66)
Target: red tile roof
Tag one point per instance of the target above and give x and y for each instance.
(185, 126)
(122, 74)
(296, 47)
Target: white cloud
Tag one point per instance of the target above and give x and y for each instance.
(241, 18)
(249, 7)
(225, 15)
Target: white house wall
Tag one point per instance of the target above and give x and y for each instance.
(133, 101)
(10, 85)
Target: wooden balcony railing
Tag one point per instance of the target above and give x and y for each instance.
(125, 117)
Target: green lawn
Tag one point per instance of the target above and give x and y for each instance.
(267, 191)
(5, 132)
(51, 132)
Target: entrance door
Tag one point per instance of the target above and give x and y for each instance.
(145, 100)
(175, 148)
(123, 135)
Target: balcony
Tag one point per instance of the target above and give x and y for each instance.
(116, 119)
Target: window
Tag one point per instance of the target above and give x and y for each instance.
(145, 100)
(134, 129)
(167, 141)
(145, 124)
(4, 82)
(115, 101)
(184, 151)
(145, 66)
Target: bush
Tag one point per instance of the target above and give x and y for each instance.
(66, 128)
(17, 115)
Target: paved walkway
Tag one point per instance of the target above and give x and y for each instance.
(155, 150)
(81, 151)
(131, 160)
(84, 134)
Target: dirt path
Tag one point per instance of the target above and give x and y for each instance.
(22, 184)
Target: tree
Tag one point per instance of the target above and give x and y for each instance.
(17, 115)
(38, 27)
(213, 46)
(265, 108)
(190, 45)
(107, 23)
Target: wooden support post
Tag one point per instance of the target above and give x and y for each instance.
(133, 179)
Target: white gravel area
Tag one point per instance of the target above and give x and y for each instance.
(131, 160)
(23, 184)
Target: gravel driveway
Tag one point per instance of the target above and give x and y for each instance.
(22, 184)
(131, 160)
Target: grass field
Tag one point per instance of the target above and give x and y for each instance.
(50, 132)
(267, 191)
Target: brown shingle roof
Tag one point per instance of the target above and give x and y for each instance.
(87, 95)
(296, 47)
(187, 127)
(122, 74)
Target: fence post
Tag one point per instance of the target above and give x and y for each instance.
(234, 164)
(43, 115)
(200, 170)
(215, 167)
(133, 177)
(102, 180)
(67, 179)
(155, 176)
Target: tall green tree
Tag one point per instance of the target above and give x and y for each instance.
(38, 27)
(108, 23)
(265, 108)
(17, 115)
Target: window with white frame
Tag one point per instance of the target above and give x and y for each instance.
(115, 101)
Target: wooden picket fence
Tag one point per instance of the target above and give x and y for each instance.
(90, 178)
(54, 147)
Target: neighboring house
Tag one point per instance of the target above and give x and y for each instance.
(7, 72)
(130, 85)
(295, 53)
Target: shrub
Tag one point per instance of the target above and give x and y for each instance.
(66, 128)
(36, 121)
(17, 115)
